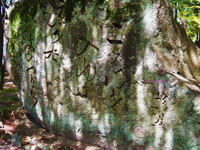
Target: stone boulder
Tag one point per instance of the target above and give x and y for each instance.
(86, 70)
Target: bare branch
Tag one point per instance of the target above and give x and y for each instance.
(4, 4)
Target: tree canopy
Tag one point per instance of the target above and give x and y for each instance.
(187, 14)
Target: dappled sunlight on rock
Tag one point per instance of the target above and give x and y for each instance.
(103, 73)
(150, 20)
(158, 136)
(141, 90)
(169, 140)
(39, 111)
(78, 129)
(197, 104)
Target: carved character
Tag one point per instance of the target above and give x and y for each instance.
(118, 101)
(114, 41)
(86, 46)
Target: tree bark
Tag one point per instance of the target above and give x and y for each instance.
(197, 42)
(2, 67)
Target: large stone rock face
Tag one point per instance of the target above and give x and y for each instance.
(87, 72)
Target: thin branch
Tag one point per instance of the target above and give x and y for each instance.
(4, 4)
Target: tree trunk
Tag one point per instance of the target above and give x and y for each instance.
(197, 42)
(122, 75)
(176, 13)
(2, 67)
(11, 2)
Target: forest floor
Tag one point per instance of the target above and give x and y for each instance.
(17, 132)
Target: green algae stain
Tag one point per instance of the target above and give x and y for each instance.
(186, 132)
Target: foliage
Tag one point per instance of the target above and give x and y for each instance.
(188, 10)
(25, 6)
(8, 91)
(8, 101)
(8, 95)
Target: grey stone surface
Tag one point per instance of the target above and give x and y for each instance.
(97, 79)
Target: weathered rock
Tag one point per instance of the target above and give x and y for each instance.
(90, 72)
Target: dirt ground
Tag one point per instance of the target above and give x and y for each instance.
(17, 132)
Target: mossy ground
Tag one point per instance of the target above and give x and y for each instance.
(9, 102)
(8, 91)
(14, 121)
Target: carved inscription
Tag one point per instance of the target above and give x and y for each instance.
(117, 55)
(31, 71)
(52, 53)
(86, 46)
(87, 69)
(117, 102)
(163, 102)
